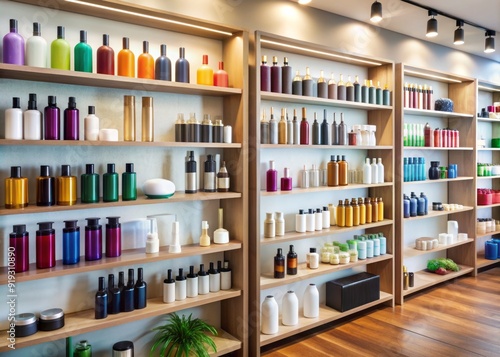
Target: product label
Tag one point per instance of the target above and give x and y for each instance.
(223, 182)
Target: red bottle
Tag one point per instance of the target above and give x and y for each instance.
(45, 245)
(105, 57)
(19, 248)
(220, 77)
(428, 136)
(304, 129)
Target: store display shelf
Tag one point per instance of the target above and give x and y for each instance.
(128, 258)
(488, 206)
(179, 196)
(487, 234)
(330, 147)
(433, 214)
(106, 81)
(488, 149)
(268, 281)
(298, 190)
(482, 262)
(291, 236)
(305, 100)
(436, 113)
(412, 148)
(487, 177)
(461, 178)
(425, 279)
(410, 252)
(166, 144)
(491, 120)
(82, 322)
(326, 314)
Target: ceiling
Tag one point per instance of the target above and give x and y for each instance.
(411, 20)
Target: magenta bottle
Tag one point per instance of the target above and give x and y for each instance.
(45, 246)
(113, 237)
(286, 181)
(271, 178)
(105, 60)
(275, 76)
(13, 45)
(19, 248)
(71, 121)
(52, 120)
(265, 76)
(93, 239)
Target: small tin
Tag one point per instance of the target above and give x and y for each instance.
(123, 349)
(51, 319)
(25, 324)
(83, 349)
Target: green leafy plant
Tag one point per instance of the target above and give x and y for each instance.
(181, 335)
(442, 265)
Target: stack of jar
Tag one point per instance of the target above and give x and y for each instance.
(487, 225)
(484, 169)
(487, 196)
(414, 205)
(418, 135)
(361, 247)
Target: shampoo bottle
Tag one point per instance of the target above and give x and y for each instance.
(45, 187)
(66, 187)
(110, 184)
(101, 301)
(214, 278)
(169, 288)
(13, 46)
(105, 57)
(52, 120)
(128, 293)
(32, 120)
(126, 60)
(16, 189)
(163, 66)
(180, 286)
(191, 283)
(113, 237)
(71, 121)
(93, 239)
(83, 54)
(203, 281)
(140, 291)
(225, 276)
(129, 183)
(36, 48)
(19, 242)
(45, 246)
(91, 125)
(71, 242)
(89, 183)
(145, 63)
(114, 296)
(191, 180)
(205, 74)
(14, 121)
(60, 51)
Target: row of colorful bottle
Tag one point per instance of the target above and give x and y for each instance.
(35, 54)
(491, 111)
(414, 205)
(212, 181)
(418, 96)
(192, 131)
(414, 169)
(420, 135)
(437, 172)
(484, 169)
(279, 80)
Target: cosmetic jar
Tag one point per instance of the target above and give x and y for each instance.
(51, 319)
(25, 324)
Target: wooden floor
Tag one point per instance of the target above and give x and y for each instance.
(459, 318)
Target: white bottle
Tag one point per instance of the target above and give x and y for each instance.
(310, 221)
(380, 171)
(304, 178)
(280, 224)
(314, 176)
(367, 172)
(36, 48)
(225, 277)
(373, 138)
(333, 213)
(152, 241)
(14, 121)
(203, 281)
(169, 288)
(191, 283)
(318, 220)
(312, 259)
(91, 125)
(374, 171)
(228, 134)
(300, 222)
(311, 301)
(269, 319)
(180, 286)
(214, 278)
(175, 246)
(326, 217)
(269, 226)
(290, 309)
(221, 235)
(32, 120)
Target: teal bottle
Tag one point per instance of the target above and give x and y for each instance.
(83, 54)
(60, 51)
(89, 185)
(110, 185)
(129, 183)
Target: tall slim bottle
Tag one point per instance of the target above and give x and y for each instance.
(275, 76)
(114, 295)
(322, 86)
(13, 45)
(129, 118)
(265, 75)
(45, 245)
(296, 128)
(71, 242)
(83, 54)
(191, 180)
(16, 189)
(127, 298)
(209, 175)
(163, 65)
(110, 184)
(129, 183)
(14, 120)
(182, 67)
(45, 187)
(221, 78)
(282, 128)
(140, 291)
(32, 119)
(91, 125)
(71, 121)
(36, 48)
(273, 129)
(52, 119)
(342, 131)
(332, 88)
(145, 63)
(286, 77)
(60, 51)
(126, 60)
(349, 90)
(105, 60)
(147, 119)
(333, 172)
(343, 172)
(304, 128)
(205, 74)
(325, 130)
(357, 90)
(335, 131)
(66, 187)
(101, 301)
(316, 132)
(19, 242)
(341, 89)
(307, 84)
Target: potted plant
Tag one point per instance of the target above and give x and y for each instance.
(180, 336)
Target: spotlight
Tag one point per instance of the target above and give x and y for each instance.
(376, 13)
(489, 42)
(432, 25)
(458, 39)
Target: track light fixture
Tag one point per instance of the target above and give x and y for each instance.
(489, 42)
(458, 38)
(376, 12)
(432, 25)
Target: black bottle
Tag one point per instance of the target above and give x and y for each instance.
(114, 296)
(128, 293)
(101, 301)
(45, 188)
(140, 291)
(316, 135)
(279, 265)
(291, 261)
(325, 130)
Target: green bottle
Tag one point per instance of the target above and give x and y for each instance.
(110, 185)
(83, 54)
(60, 51)
(89, 185)
(129, 183)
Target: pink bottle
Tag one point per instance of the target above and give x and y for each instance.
(271, 178)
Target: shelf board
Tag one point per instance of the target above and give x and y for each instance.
(410, 252)
(436, 113)
(482, 262)
(487, 177)
(331, 147)
(268, 281)
(299, 99)
(107, 81)
(488, 206)
(298, 190)
(128, 257)
(464, 148)
(488, 149)
(487, 234)
(491, 120)
(425, 279)
(326, 314)
(166, 144)
(461, 178)
(179, 196)
(291, 236)
(82, 322)
(433, 214)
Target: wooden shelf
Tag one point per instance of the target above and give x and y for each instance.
(487, 234)
(488, 149)
(425, 279)
(106, 81)
(488, 206)
(166, 144)
(300, 99)
(491, 120)
(461, 178)
(410, 252)
(326, 314)
(179, 196)
(291, 236)
(84, 321)
(268, 281)
(128, 257)
(433, 214)
(330, 147)
(482, 262)
(436, 113)
(465, 148)
(299, 191)
(487, 177)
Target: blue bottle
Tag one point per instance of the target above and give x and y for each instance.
(422, 169)
(413, 205)
(410, 169)
(182, 67)
(420, 206)
(406, 207)
(415, 169)
(426, 205)
(451, 171)
(163, 66)
(71, 242)
(405, 169)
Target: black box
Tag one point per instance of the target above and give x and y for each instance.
(352, 291)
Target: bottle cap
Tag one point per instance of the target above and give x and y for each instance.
(65, 170)
(71, 103)
(129, 167)
(145, 46)
(169, 279)
(181, 275)
(52, 100)
(37, 29)
(15, 171)
(32, 101)
(191, 274)
(71, 224)
(83, 36)
(16, 102)
(45, 171)
(280, 251)
(147, 101)
(311, 211)
(202, 271)
(163, 50)
(325, 208)
(45, 226)
(182, 52)
(111, 168)
(318, 210)
(285, 61)
(91, 109)
(13, 24)
(60, 32)
(301, 211)
(271, 164)
(19, 229)
(105, 39)
(219, 265)
(93, 222)
(205, 59)
(291, 247)
(210, 164)
(204, 225)
(312, 250)
(89, 169)
(226, 264)
(221, 66)
(125, 42)
(113, 222)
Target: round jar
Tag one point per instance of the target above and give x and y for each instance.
(434, 170)
(25, 324)
(51, 319)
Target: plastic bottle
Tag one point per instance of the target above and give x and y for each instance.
(105, 57)
(342, 131)
(19, 242)
(374, 171)
(126, 60)
(340, 214)
(273, 129)
(36, 48)
(380, 169)
(83, 54)
(286, 77)
(265, 75)
(32, 120)
(145, 63)
(310, 221)
(304, 129)
(275, 76)
(348, 213)
(333, 172)
(71, 121)
(110, 184)
(316, 132)
(205, 74)
(343, 168)
(45, 245)
(14, 121)
(60, 51)
(163, 65)
(91, 125)
(13, 45)
(367, 172)
(182, 67)
(45, 187)
(221, 78)
(16, 189)
(129, 183)
(214, 278)
(271, 178)
(66, 187)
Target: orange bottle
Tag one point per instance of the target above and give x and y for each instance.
(341, 214)
(205, 74)
(374, 209)
(145, 63)
(380, 209)
(362, 211)
(368, 207)
(126, 60)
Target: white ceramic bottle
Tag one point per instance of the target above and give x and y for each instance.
(269, 320)
(14, 121)
(290, 309)
(280, 224)
(169, 288)
(326, 217)
(91, 125)
(269, 226)
(225, 276)
(380, 171)
(36, 48)
(214, 278)
(367, 172)
(311, 301)
(32, 120)
(374, 171)
(203, 281)
(318, 219)
(300, 222)
(180, 286)
(191, 283)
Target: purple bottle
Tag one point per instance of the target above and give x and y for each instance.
(113, 237)
(52, 119)
(93, 239)
(271, 178)
(19, 246)
(71, 121)
(265, 75)
(13, 46)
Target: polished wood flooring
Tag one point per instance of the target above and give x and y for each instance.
(458, 318)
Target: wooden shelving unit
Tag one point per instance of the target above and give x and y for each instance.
(425, 279)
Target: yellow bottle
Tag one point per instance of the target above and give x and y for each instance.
(368, 206)
(16, 189)
(374, 210)
(355, 212)
(362, 211)
(380, 209)
(204, 238)
(340, 214)
(205, 74)
(282, 131)
(66, 187)
(348, 213)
